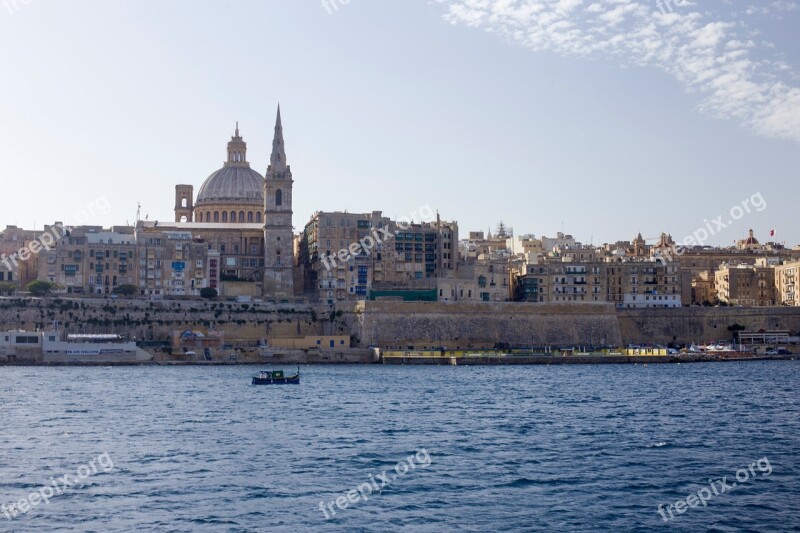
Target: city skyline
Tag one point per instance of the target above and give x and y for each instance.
(479, 127)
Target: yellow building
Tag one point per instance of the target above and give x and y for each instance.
(786, 277)
(745, 285)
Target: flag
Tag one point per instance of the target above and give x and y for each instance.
(772, 232)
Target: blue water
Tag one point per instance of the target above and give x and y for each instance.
(539, 448)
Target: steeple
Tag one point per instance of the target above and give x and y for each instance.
(277, 161)
(237, 151)
(278, 235)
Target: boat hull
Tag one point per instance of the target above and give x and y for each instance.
(291, 380)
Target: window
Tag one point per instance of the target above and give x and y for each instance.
(278, 197)
(258, 217)
(216, 216)
(249, 216)
(224, 216)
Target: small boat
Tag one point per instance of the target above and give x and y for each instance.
(276, 377)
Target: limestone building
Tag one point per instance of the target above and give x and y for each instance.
(786, 276)
(745, 285)
(15, 271)
(352, 256)
(90, 259)
(244, 219)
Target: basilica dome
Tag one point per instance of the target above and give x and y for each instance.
(232, 184)
(234, 193)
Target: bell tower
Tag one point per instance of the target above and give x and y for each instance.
(184, 206)
(278, 232)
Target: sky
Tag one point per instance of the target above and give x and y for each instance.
(599, 118)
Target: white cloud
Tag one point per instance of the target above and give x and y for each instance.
(707, 56)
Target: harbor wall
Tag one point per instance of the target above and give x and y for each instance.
(687, 325)
(398, 325)
(427, 325)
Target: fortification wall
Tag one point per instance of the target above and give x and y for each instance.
(701, 324)
(475, 325)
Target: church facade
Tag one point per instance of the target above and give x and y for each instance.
(244, 218)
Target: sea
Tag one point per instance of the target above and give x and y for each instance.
(645, 447)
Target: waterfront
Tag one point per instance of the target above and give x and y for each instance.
(544, 448)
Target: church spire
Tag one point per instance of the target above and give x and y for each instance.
(277, 161)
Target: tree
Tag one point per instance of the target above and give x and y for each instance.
(41, 288)
(125, 290)
(6, 287)
(735, 329)
(208, 292)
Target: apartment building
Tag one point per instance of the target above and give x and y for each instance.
(745, 285)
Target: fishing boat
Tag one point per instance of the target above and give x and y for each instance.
(276, 377)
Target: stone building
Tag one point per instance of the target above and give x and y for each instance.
(18, 265)
(625, 282)
(336, 265)
(90, 259)
(484, 279)
(786, 277)
(172, 263)
(353, 256)
(750, 243)
(244, 219)
(703, 290)
(745, 285)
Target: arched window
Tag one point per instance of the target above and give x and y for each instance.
(224, 216)
(208, 216)
(233, 216)
(184, 202)
(278, 197)
(249, 216)
(258, 217)
(216, 216)
(241, 216)
(184, 219)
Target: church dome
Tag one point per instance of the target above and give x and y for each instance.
(751, 240)
(232, 184)
(235, 183)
